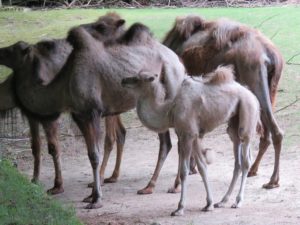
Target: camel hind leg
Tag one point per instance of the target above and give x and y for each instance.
(89, 124)
(201, 164)
(264, 143)
(232, 131)
(115, 133)
(262, 93)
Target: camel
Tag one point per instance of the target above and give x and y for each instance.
(89, 84)
(115, 131)
(199, 107)
(203, 45)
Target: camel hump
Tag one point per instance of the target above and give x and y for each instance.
(227, 32)
(223, 74)
(78, 37)
(137, 33)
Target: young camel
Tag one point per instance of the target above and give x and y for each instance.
(203, 45)
(53, 55)
(89, 84)
(199, 107)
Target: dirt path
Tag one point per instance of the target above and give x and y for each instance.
(124, 206)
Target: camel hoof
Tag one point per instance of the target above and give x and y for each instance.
(270, 185)
(174, 190)
(55, 190)
(236, 205)
(91, 185)
(95, 205)
(88, 199)
(219, 205)
(111, 179)
(252, 174)
(207, 208)
(145, 191)
(178, 212)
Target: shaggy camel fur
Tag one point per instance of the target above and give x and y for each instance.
(60, 49)
(199, 107)
(203, 45)
(89, 84)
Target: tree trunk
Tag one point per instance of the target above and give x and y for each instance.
(0, 3)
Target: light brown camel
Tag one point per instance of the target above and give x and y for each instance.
(200, 106)
(115, 131)
(89, 84)
(203, 45)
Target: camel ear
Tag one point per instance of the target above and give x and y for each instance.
(120, 23)
(148, 76)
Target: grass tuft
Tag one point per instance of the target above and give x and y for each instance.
(22, 202)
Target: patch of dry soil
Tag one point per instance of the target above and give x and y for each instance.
(123, 206)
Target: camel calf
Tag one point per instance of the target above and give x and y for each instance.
(201, 105)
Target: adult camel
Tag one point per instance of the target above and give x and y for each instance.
(203, 45)
(115, 131)
(89, 83)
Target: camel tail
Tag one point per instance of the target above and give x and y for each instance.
(274, 77)
(223, 74)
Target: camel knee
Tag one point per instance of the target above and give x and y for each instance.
(52, 150)
(94, 159)
(109, 142)
(277, 138)
(121, 135)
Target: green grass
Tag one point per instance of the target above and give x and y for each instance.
(22, 202)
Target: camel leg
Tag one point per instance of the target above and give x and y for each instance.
(110, 138)
(120, 140)
(264, 143)
(232, 131)
(177, 182)
(164, 148)
(261, 91)
(90, 127)
(245, 163)
(51, 129)
(185, 150)
(199, 159)
(36, 148)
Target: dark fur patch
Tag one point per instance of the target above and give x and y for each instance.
(27, 112)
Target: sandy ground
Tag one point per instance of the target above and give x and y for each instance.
(123, 206)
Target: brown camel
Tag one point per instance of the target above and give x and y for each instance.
(89, 84)
(203, 45)
(199, 107)
(115, 131)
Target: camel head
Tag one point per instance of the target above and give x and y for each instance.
(140, 82)
(13, 55)
(41, 61)
(107, 27)
(183, 29)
